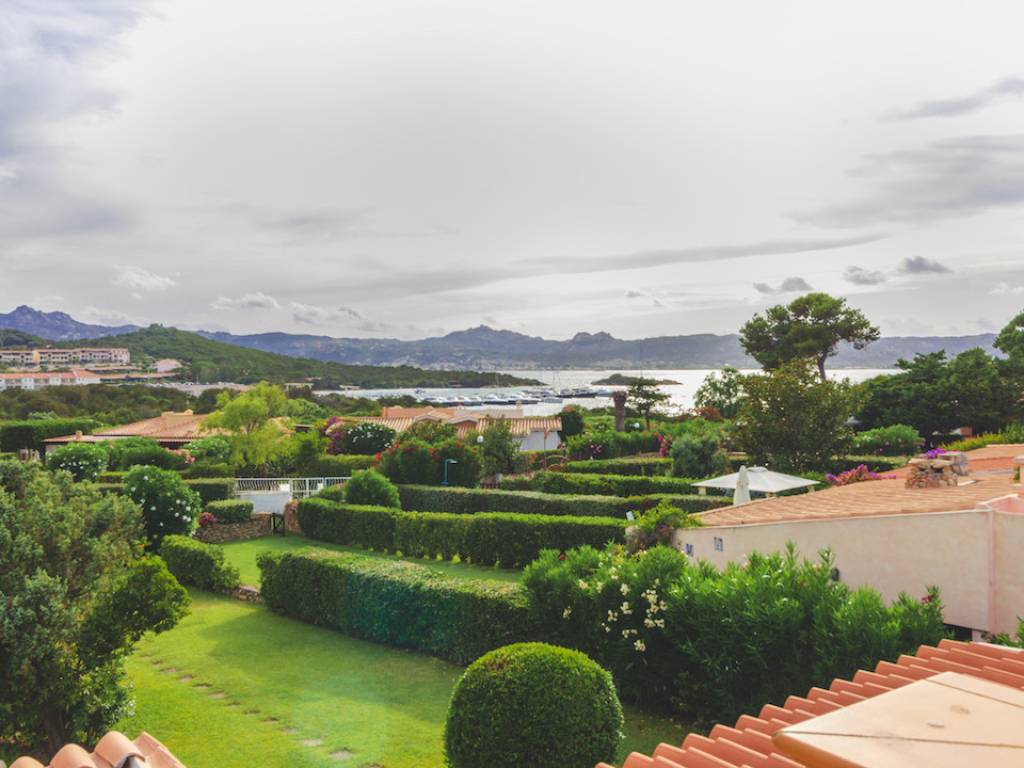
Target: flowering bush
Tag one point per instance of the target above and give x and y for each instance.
(215, 448)
(365, 438)
(168, 504)
(186, 457)
(935, 453)
(858, 474)
(85, 461)
(657, 525)
(411, 461)
(664, 445)
(207, 519)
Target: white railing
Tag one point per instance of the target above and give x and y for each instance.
(298, 487)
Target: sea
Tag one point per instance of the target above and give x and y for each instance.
(680, 394)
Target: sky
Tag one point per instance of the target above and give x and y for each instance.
(405, 169)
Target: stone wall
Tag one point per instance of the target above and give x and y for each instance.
(218, 533)
(930, 473)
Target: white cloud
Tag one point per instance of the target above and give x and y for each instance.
(139, 281)
(1005, 289)
(106, 316)
(256, 300)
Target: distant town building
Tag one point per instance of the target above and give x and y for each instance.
(166, 365)
(29, 380)
(54, 356)
(531, 433)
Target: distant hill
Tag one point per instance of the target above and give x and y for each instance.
(57, 326)
(487, 348)
(207, 360)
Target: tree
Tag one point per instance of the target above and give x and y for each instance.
(793, 421)
(722, 391)
(644, 397)
(499, 449)
(1011, 339)
(76, 594)
(572, 422)
(249, 417)
(808, 328)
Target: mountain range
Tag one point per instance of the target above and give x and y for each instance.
(484, 348)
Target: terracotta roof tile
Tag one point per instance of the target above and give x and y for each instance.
(112, 751)
(167, 427)
(750, 742)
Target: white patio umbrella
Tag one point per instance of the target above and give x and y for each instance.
(742, 493)
(760, 479)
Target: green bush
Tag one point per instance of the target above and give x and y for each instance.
(367, 438)
(533, 704)
(466, 469)
(332, 493)
(207, 468)
(231, 510)
(894, 440)
(393, 602)
(469, 501)
(609, 444)
(411, 461)
(215, 449)
(141, 451)
(713, 644)
(646, 467)
(85, 461)
(212, 488)
(370, 487)
(698, 455)
(572, 422)
(197, 564)
(343, 465)
(168, 505)
(489, 538)
(601, 485)
(30, 433)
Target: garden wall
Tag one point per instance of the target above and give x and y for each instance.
(221, 533)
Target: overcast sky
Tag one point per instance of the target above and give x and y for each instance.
(386, 168)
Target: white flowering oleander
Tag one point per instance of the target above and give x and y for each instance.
(567, 612)
(626, 610)
(624, 589)
(640, 646)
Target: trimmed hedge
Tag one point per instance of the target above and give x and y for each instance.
(333, 493)
(397, 603)
(606, 485)
(231, 510)
(470, 501)
(30, 433)
(645, 467)
(343, 465)
(489, 538)
(198, 564)
(212, 488)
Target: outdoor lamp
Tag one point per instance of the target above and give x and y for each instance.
(480, 439)
(446, 463)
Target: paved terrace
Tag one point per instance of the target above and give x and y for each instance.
(990, 478)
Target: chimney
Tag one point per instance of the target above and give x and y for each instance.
(619, 400)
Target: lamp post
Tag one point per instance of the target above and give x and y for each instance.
(446, 463)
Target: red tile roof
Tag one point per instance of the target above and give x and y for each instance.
(167, 427)
(749, 744)
(112, 751)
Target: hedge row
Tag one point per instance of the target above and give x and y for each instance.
(197, 564)
(489, 538)
(470, 501)
(397, 603)
(342, 465)
(646, 467)
(231, 510)
(30, 433)
(210, 489)
(606, 485)
(839, 463)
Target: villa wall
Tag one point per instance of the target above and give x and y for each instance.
(972, 556)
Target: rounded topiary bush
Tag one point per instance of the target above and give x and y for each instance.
(371, 487)
(85, 461)
(536, 705)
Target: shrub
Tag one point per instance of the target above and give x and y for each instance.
(199, 565)
(367, 438)
(393, 602)
(465, 471)
(713, 644)
(895, 440)
(499, 449)
(231, 510)
(533, 704)
(572, 422)
(212, 488)
(432, 432)
(332, 493)
(85, 461)
(168, 505)
(411, 461)
(369, 486)
(656, 526)
(490, 538)
(609, 444)
(214, 449)
(469, 501)
(206, 468)
(698, 455)
(603, 485)
(141, 451)
(343, 465)
(646, 467)
(30, 433)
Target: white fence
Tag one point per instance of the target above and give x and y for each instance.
(296, 487)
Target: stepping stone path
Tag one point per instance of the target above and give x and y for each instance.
(311, 742)
(218, 695)
(342, 754)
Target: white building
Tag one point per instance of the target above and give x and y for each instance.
(26, 380)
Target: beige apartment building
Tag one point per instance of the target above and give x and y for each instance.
(56, 357)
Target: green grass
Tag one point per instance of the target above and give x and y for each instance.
(279, 682)
(243, 555)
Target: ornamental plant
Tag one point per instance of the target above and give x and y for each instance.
(698, 455)
(859, 474)
(411, 461)
(370, 487)
(893, 440)
(466, 470)
(168, 505)
(657, 526)
(367, 438)
(85, 461)
(531, 704)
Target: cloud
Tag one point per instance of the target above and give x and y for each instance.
(633, 294)
(861, 276)
(951, 178)
(138, 281)
(256, 300)
(1008, 86)
(106, 316)
(311, 314)
(919, 265)
(789, 285)
(1005, 289)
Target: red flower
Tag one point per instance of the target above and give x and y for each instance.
(561, 555)
(928, 599)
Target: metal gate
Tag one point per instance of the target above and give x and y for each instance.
(297, 487)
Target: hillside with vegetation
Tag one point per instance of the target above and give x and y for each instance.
(210, 361)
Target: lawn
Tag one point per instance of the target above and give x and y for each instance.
(235, 685)
(243, 554)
